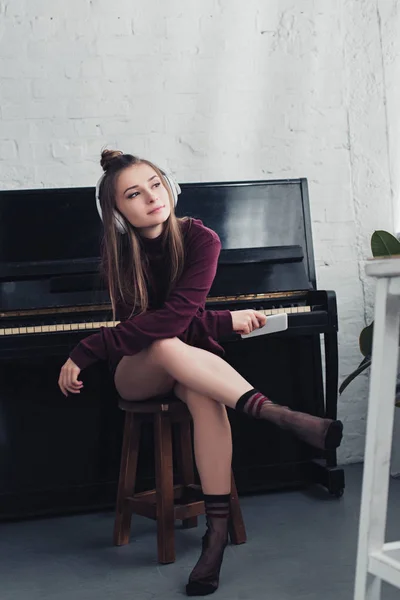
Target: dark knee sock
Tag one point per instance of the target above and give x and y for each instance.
(321, 433)
(204, 579)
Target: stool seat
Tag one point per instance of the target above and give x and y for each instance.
(164, 403)
(167, 502)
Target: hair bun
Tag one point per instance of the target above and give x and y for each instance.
(107, 156)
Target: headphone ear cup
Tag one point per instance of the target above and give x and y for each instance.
(119, 223)
(173, 186)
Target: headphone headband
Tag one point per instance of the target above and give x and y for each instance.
(118, 220)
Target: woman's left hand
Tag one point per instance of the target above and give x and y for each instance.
(68, 380)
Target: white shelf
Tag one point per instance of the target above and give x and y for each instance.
(383, 267)
(378, 561)
(386, 564)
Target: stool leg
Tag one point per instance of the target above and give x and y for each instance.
(185, 463)
(164, 489)
(237, 530)
(127, 476)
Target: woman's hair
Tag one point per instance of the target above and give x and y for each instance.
(124, 262)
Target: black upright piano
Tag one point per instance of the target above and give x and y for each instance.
(61, 455)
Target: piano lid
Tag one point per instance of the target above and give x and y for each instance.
(254, 214)
(44, 232)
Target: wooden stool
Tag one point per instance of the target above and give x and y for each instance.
(159, 504)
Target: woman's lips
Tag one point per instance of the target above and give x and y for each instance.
(155, 210)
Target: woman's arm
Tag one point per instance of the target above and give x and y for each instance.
(136, 334)
(214, 323)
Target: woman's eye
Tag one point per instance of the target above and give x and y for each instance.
(156, 184)
(133, 195)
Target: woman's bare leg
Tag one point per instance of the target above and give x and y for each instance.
(211, 376)
(155, 370)
(212, 440)
(140, 377)
(213, 453)
(200, 371)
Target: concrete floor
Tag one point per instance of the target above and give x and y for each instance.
(300, 545)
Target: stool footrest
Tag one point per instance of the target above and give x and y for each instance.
(145, 503)
(144, 508)
(187, 511)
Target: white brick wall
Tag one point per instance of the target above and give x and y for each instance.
(222, 89)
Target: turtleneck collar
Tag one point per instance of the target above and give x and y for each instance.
(152, 246)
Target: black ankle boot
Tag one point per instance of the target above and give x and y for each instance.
(204, 579)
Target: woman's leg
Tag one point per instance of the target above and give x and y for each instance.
(213, 453)
(211, 376)
(170, 360)
(212, 440)
(140, 377)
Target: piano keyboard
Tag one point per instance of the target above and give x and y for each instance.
(97, 324)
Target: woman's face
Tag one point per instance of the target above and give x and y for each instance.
(143, 199)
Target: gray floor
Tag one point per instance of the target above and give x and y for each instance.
(300, 545)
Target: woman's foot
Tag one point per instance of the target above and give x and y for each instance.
(325, 434)
(204, 579)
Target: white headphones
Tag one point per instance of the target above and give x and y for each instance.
(119, 222)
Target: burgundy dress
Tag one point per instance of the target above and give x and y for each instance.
(182, 314)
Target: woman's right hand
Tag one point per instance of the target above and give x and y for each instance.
(68, 380)
(245, 321)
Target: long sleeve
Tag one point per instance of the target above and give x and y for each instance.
(173, 318)
(214, 323)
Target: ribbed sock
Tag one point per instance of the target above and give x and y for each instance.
(251, 403)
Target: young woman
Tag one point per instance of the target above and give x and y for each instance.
(159, 270)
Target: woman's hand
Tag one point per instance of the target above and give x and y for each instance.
(245, 321)
(68, 380)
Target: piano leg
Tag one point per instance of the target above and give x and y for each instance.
(326, 472)
(332, 478)
(331, 374)
(331, 385)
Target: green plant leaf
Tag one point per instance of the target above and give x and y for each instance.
(364, 364)
(384, 243)
(365, 340)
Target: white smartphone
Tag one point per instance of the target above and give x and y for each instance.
(274, 323)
